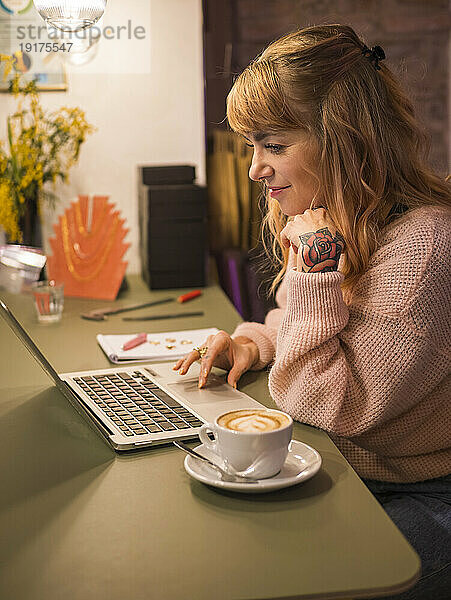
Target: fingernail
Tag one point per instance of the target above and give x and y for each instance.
(234, 385)
(200, 384)
(182, 372)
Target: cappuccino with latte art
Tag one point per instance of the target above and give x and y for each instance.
(253, 421)
(251, 441)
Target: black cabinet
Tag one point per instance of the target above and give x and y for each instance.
(173, 229)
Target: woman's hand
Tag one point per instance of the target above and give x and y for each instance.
(316, 241)
(236, 355)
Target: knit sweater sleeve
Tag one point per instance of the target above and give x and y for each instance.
(350, 369)
(265, 334)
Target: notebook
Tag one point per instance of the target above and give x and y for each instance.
(169, 345)
(139, 407)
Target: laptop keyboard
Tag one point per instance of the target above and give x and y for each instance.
(137, 405)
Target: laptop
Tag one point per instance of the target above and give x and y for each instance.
(140, 407)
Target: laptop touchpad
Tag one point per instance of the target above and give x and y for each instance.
(216, 390)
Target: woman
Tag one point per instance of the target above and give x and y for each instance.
(361, 227)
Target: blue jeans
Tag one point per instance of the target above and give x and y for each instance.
(422, 512)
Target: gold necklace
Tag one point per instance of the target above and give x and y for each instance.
(79, 256)
(79, 219)
(66, 247)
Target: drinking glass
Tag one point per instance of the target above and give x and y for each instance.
(49, 300)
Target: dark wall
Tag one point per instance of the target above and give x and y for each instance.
(413, 33)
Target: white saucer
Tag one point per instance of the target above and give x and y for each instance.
(302, 463)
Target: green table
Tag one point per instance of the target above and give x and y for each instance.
(80, 522)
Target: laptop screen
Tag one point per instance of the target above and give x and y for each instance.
(29, 344)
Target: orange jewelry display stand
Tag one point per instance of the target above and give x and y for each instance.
(88, 248)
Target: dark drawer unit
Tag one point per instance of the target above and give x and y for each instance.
(167, 175)
(173, 232)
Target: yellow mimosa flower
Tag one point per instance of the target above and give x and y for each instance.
(43, 146)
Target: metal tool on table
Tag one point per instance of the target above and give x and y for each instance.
(169, 316)
(100, 314)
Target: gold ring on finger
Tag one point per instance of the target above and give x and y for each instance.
(202, 351)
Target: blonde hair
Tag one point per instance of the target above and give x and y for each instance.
(371, 151)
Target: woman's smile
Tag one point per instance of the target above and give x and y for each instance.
(276, 191)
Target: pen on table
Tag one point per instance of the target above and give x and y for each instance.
(136, 341)
(171, 316)
(189, 296)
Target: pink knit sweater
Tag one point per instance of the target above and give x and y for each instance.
(374, 374)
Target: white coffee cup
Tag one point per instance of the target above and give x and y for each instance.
(251, 442)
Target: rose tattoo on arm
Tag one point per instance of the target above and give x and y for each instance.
(320, 250)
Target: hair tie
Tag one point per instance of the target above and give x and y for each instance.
(374, 55)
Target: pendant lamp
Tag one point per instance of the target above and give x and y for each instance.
(70, 15)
